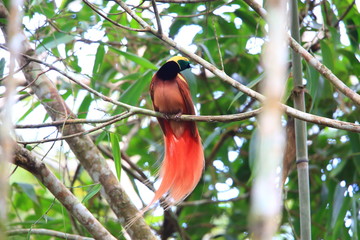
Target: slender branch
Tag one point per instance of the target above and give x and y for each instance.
(123, 116)
(209, 201)
(345, 13)
(67, 122)
(25, 159)
(110, 20)
(157, 17)
(47, 232)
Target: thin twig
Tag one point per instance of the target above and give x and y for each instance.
(47, 232)
(218, 44)
(345, 13)
(113, 22)
(123, 116)
(67, 122)
(157, 17)
(209, 201)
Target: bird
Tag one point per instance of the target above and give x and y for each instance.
(183, 162)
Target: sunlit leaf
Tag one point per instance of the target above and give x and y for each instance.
(132, 94)
(249, 85)
(29, 190)
(99, 58)
(92, 192)
(339, 196)
(139, 60)
(84, 107)
(53, 41)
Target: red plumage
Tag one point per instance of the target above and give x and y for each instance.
(183, 163)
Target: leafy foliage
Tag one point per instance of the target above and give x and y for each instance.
(119, 63)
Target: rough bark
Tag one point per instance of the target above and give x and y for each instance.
(26, 160)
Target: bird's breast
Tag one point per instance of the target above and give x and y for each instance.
(168, 98)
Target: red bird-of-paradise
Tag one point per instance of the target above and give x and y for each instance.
(183, 163)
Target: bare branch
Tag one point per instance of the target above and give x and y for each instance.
(123, 116)
(26, 160)
(345, 13)
(157, 17)
(113, 22)
(47, 232)
(209, 201)
(67, 122)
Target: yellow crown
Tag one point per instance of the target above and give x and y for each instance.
(177, 58)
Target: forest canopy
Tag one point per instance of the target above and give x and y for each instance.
(85, 145)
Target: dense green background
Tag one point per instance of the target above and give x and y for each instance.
(120, 64)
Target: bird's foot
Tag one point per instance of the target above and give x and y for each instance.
(173, 116)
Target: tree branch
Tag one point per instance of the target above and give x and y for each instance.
(209, 201)
(67, 122)
(345, 13)
(47, 232)
(24, 158)
(123, 116)
(157, 17)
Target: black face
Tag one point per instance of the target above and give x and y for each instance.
(168, 71)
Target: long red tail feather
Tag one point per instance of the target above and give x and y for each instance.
(182, 166)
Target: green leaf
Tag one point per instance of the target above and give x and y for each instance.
(212, 136)
(53, 41)
(136, 59)
(33, 106)
(101, 137)
(132, 76)
(207, 52)
(93, 190)
(99, 58)
(313, 85)
(339, 196)
(29, 190)
(247, 18)
(132, 95)
(116, 153)
(327, 54)
(249, 85)
(84, 106)
(355, 147)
